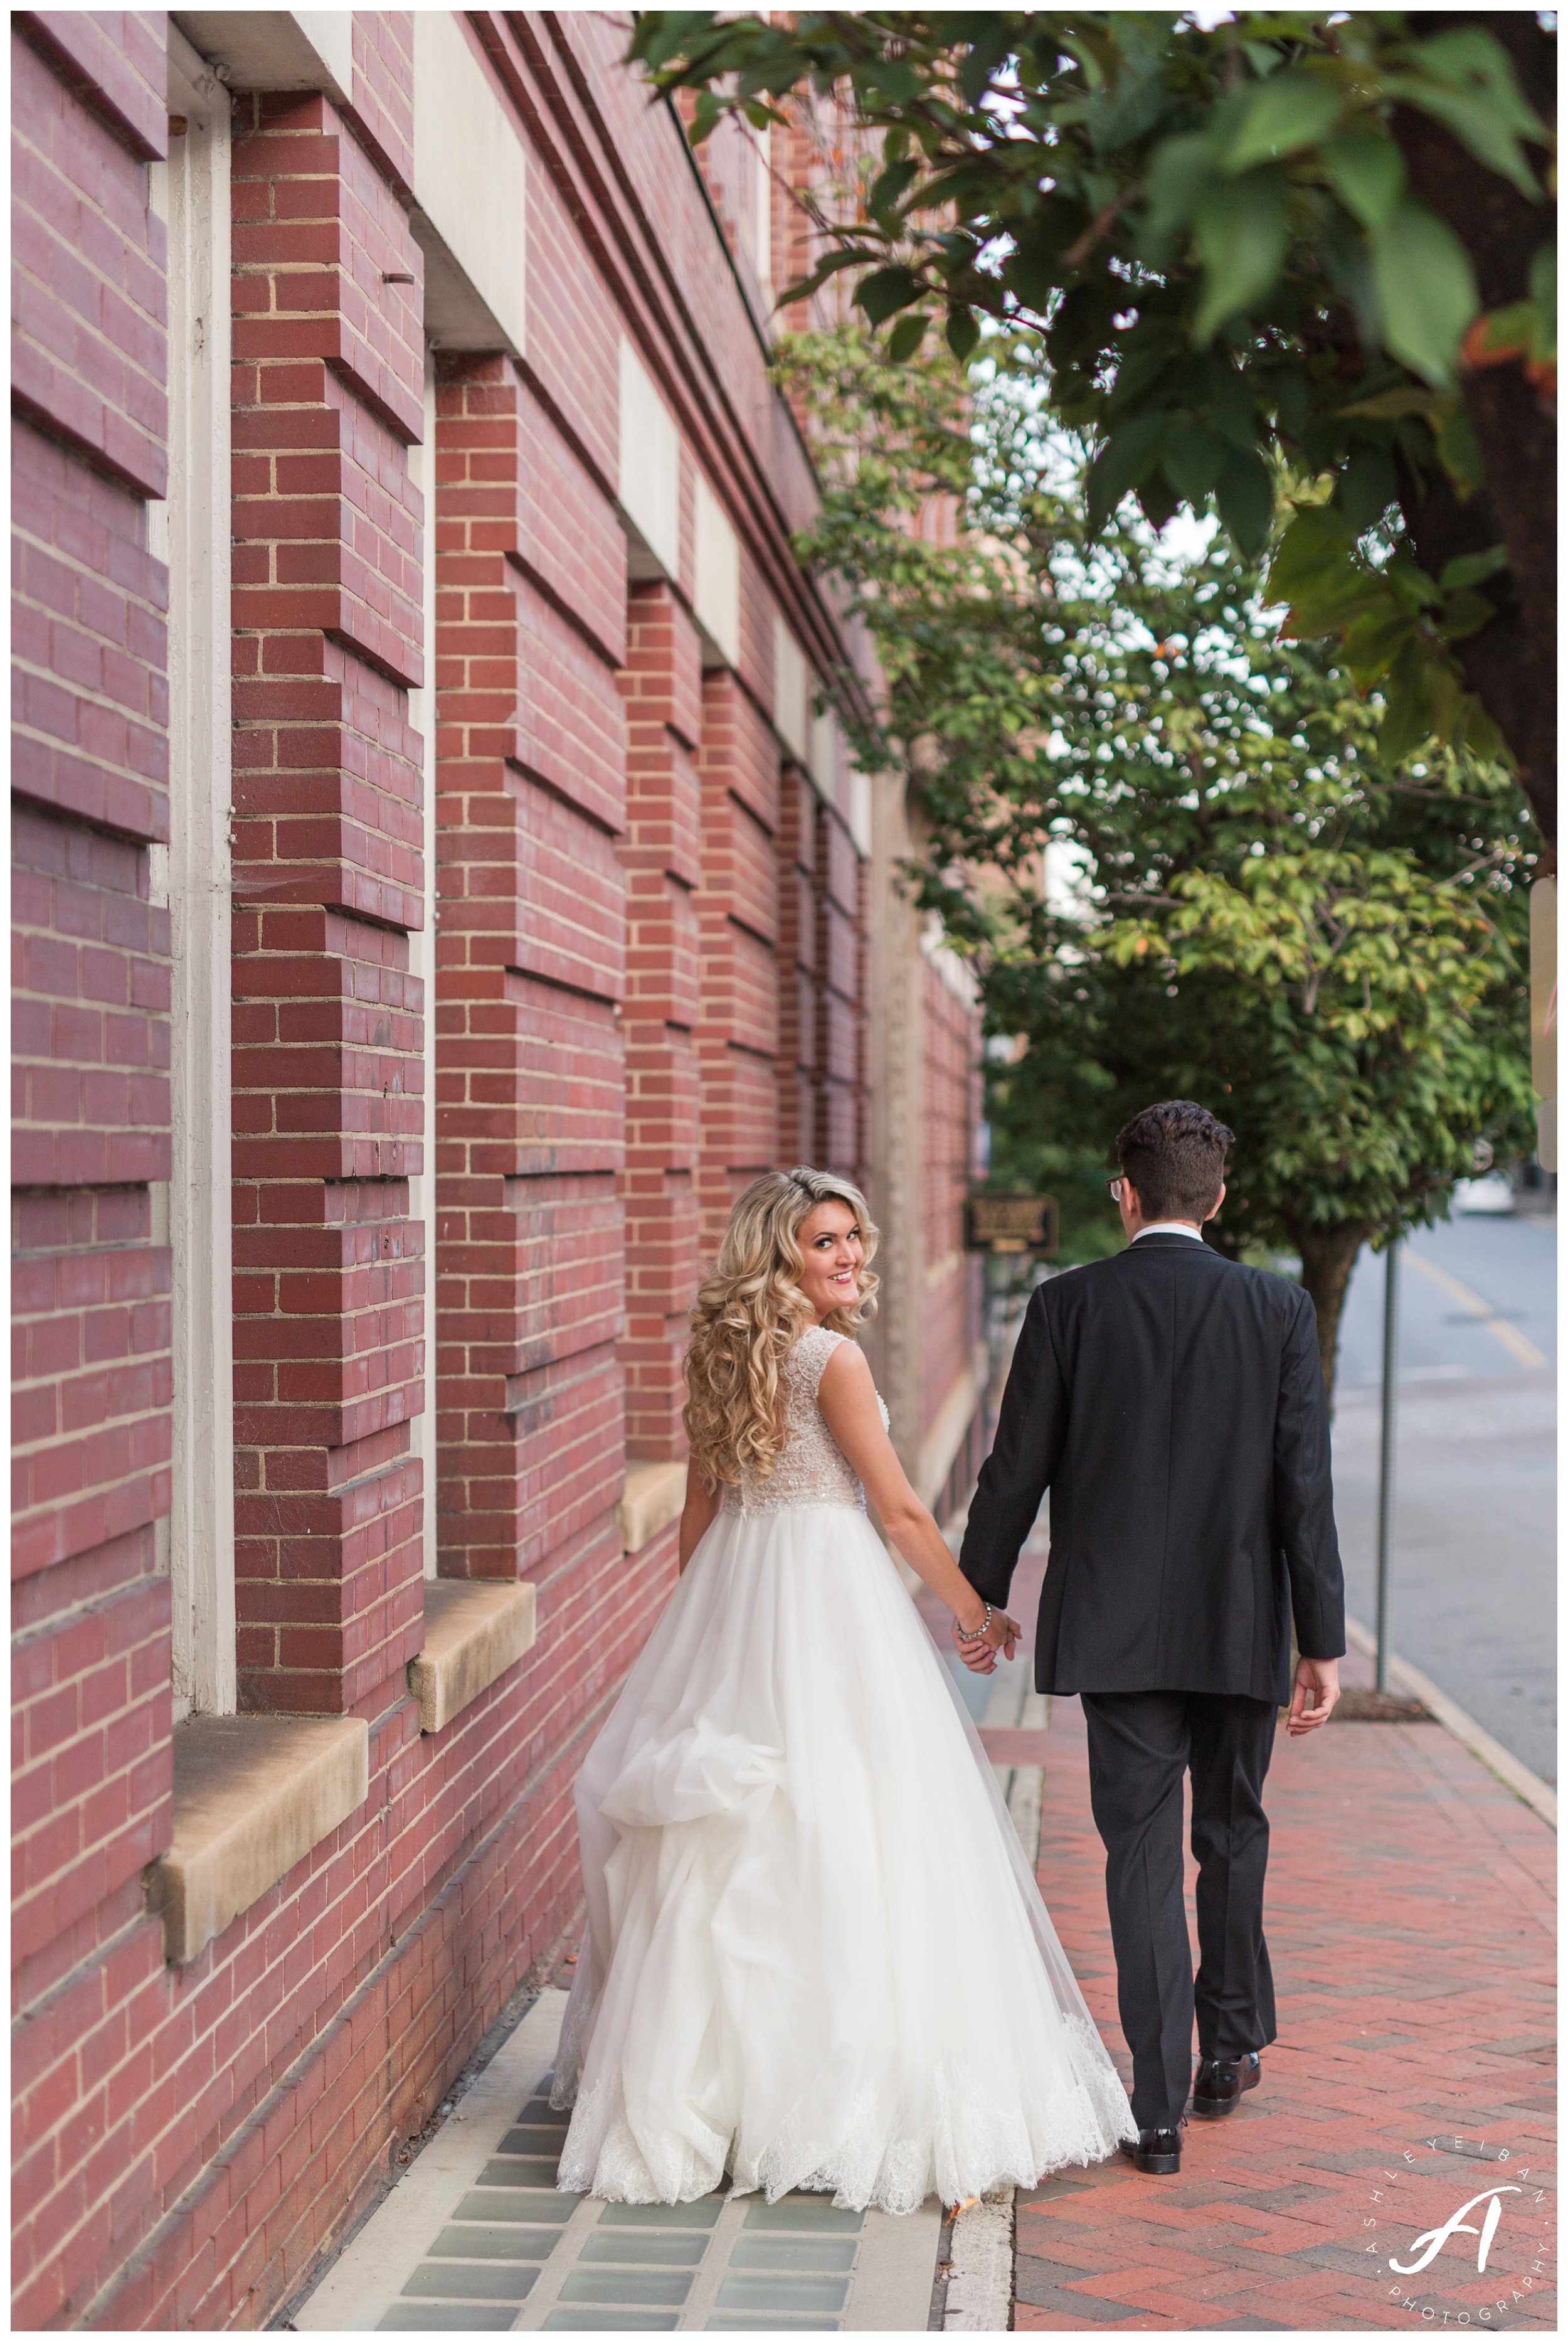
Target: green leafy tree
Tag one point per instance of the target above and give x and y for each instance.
(1298, 255)
(1177, 847)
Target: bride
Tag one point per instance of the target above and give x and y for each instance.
(815, 1957)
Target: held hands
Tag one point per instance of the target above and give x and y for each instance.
(1317, 1679)
(978, 1650)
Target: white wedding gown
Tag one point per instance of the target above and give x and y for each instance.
(816, 1954)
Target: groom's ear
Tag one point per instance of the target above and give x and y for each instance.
(1219, 1199)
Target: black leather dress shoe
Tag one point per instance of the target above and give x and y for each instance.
(1157, 2150)
(1221, 2081)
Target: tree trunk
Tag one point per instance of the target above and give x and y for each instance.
(1328, 1255)
(1510, 664)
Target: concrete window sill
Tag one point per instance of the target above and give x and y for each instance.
(253, 1795)
(655, 1495)
(474, 1630)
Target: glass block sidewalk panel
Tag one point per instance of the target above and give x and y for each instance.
(476, 2237)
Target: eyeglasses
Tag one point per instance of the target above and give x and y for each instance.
(1113, 1189)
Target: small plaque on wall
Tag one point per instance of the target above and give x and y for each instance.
(1011, 1223)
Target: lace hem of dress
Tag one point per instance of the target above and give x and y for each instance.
(970, 2149)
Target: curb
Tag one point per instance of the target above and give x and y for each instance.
(980, 2274)
(1537, 1793)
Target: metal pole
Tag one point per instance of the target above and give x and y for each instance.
(1386, 1477)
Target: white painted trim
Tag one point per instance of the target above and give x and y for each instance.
(649, 487)
(276, 48)
(1536, 1794)
(422, 957)
(193, 528)
(794, 686)
(717, 590)
(471, 190)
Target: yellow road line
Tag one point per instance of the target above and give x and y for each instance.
(1517, 1344)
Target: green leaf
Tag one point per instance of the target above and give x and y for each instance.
(1291, 111)
(1367, 487)
(890, 185)
(963, 332)
(1465, 614)
(886, 291)
(1470, 568)
(1245, 496)
(1481, 735)
(1467, 57)
(660, 34)
(707, 115)
(1157, 500)
(1407, 715)
(1193, 459)
(1122, 463)
(1476, 123)
(1543, 296)
(1366, 171)
(893, 81)
(1388, 406)
(1178, 170)
(1425, 289)
(1459, 450)
(1543, 279)
(907, 337)
(990, 47)
(1241, 233)
(1375, 640)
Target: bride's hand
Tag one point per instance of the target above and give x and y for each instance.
(978, 1649)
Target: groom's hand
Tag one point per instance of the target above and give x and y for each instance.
(979, 1651)
(1319, 1678)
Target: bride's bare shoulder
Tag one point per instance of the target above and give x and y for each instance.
(845, 1361)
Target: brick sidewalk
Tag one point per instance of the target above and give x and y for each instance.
(1410, 1918)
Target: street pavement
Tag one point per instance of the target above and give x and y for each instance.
(1473, 1581)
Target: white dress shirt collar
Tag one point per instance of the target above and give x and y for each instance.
(1169, 1229)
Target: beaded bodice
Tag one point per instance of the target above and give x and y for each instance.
(811, 1467)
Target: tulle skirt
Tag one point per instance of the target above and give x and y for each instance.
(816, 1955)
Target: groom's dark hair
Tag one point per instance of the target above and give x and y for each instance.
(1174, 1155)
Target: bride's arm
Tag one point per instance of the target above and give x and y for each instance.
(696, 1515)
(847, 1397)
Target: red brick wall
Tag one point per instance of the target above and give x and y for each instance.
(328, 375)
(661, 855)
(649, 984)
(738, 921)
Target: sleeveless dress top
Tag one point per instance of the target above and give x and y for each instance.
(810, 1468)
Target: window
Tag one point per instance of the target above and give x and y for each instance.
(190, 533)
(422, 957)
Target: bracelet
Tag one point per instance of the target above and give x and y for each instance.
(975, 1634)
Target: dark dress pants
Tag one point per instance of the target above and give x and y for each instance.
(1140, 1745)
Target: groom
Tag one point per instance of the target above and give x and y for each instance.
(1172, 1402)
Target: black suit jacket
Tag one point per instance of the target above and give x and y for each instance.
(1172, 1402)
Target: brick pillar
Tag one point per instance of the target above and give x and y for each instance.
(530, 1113)
(328, 1326)
(800, 1072)
(737, 906)
(662, 686)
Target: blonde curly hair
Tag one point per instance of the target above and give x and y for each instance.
(748, 1312)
